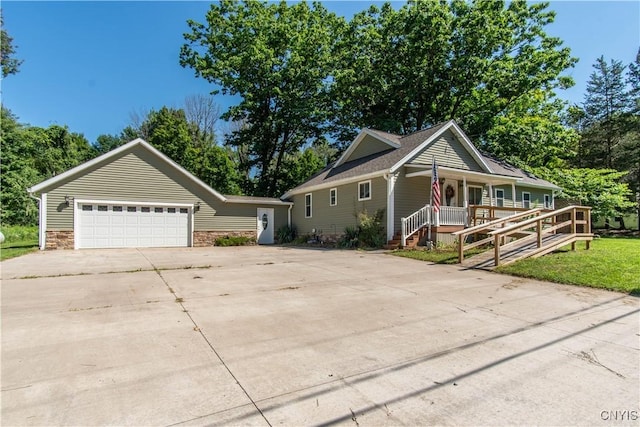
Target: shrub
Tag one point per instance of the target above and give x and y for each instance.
(370, 233)
(235, 241)
(286, 234)
(350, 238)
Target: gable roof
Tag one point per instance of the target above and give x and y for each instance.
(139, 142)
(388, 161)
(388, 138)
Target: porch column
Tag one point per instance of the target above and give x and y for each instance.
(391, 185)
(513, 194)
(465, 201)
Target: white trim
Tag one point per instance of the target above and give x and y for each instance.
(336, 183)
(458, 173)
(352, 147)
(499, 198)
(335, 189)
(43, 221)
(540, 186)
(490, 194)
(523, 193)
(466, 142)
(391, 185)
(544, 201)
(310, 205)
(361, 199)
(113, 153)
(76, 216)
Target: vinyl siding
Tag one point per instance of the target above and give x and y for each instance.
(139, 176)
(327, 219)
(449, 152)
(410, 195)
(369, 145)
(537, 195)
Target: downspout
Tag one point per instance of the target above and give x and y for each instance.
(40, 225)
(289, 216)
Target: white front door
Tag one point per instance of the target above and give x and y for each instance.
(265, 226)
(131, 225)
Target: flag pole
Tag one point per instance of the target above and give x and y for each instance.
(429, 243)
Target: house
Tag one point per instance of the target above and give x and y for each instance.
(384, 171)
(135, 196)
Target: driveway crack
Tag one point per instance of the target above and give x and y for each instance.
(204, 337)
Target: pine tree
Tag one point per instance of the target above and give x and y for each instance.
(605, 105)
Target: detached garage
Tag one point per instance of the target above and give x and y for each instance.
(135, 196)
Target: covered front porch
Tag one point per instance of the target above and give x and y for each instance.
(467, 198)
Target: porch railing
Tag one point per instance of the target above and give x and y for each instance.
(451, 215)
(415, 222)
(448, 215)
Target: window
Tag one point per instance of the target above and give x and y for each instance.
(547, 201)
(131, 209)
(171, 210)
(184, 210)
(333, 197)
(145, 209)
(475, 195)
(364, 190)
(87, 208)
(499, 197)
(102, 208)
(158, 210)
(526, 200)
(307, 205)
(117, 208)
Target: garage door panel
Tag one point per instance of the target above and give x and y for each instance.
(112, 226)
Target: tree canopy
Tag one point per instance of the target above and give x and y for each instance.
(10, 64)
(278, 59)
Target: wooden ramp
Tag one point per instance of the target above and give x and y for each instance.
(520, 249)
(525, 235)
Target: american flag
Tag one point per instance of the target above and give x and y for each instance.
(435, 187)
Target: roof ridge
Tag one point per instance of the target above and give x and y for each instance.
(425, 129)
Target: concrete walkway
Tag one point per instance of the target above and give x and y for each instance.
(281, 336)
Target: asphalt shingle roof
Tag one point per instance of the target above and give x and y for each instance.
(384, 160)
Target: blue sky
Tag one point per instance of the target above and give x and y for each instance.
(89, 65)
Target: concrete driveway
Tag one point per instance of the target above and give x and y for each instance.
(281, 336)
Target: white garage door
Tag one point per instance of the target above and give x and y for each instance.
(132, 225)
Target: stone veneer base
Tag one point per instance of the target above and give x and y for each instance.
(208, 238)
(59, 240)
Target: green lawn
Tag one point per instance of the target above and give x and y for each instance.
(439, 256)
(19, 240)
(611, 263)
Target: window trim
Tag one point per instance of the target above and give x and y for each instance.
(528, 201)
(550, 204)
(308, 208)
(479, 187)
(499, 198)
(359, 193)
(333, 199)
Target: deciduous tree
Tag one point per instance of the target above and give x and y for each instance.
(278, 59)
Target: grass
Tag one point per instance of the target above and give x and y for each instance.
(19, 240)
(611, 263)
(445, 255)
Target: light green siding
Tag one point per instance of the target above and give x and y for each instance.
(332, 220)
(410, 194)
(369, 145)
(139, 176)
(448, 152)
(537, 195)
